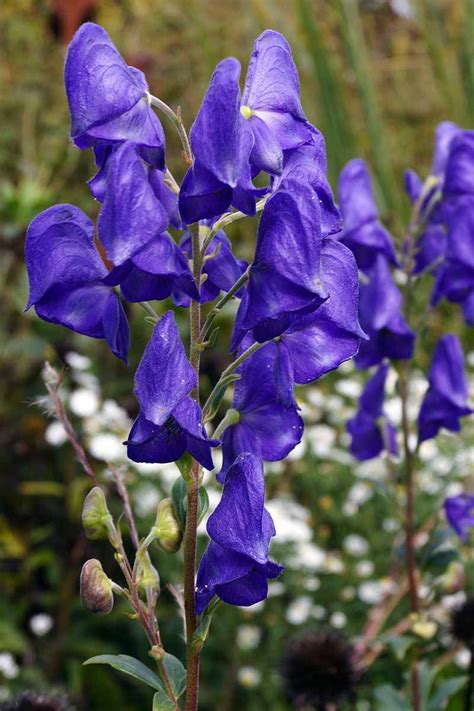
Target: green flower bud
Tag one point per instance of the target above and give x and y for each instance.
(148, 576)
(96, 517)
(167, 529)
(96, 588)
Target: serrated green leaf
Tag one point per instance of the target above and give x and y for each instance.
(176, 673)
(129, 665)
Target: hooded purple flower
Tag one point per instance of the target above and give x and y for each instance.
(366, 427)
(154, 272)
(362, 231)
(319, 342)
(284, 279)
(271, 103)
(459, 176)
(235, 565)
(170, 422)
(455, 277)
(381, 318)
(307, 164)
(268, 425)
(221, 268)
(446, 399)
(68, 278)
(108, 100)
(132, 212)
(221, 141)
(459, 511)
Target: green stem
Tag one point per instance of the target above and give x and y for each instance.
(221, 303)
(229, 371)
(175, 119)
(150, 310)
(227, 219)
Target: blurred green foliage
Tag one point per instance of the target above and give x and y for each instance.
(376, 83)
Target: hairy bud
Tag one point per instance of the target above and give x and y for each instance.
(96, 517)
(148, 575)
(167, 529)
(96, 588)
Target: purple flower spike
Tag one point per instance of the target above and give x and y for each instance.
(222, 269)
(132, 213)
(271, 103)
(170, 422)
(221, 141)
(459, 178)
(362, 231)
(67, 278)
(368, 437)
(107, 99)
(285, 275)
(381, 318)
(269, 426)
(455, 277)
(235, 565)
(446, 399)
(459, 512)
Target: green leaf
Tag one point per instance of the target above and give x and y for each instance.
(445, 691)
(389, 699)
(176, 673)
(131, 666)
(179, 495)
(161, 702)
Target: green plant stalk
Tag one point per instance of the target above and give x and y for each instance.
(190, 533)
(221, 303)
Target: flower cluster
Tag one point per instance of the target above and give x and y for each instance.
(440, 240)
(298, 316)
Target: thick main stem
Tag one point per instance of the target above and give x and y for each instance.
(190, 533)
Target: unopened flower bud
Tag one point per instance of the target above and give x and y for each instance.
(96, 517)
(148, 575)
(96, 588)
(167, 529)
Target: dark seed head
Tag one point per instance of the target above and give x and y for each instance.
(462, 623)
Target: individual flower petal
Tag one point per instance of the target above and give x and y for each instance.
(164, 376)
(362, 231)
(271, 102)
(459, 178)
(107, 99)
(445, 132)
(446, 400)
(459, 511)
(131, 213)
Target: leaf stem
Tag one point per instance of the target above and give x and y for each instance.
(227, 219)
(221, 303)
(175, 118)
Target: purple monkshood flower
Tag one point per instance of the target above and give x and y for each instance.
(307, 164)
(319, 342)
(221, 268)
(267, 424)
(221, 140)
(68, 278)
(362, 231)
(459, 512)
(284, 278)
(170, 421)
(108, 100)
(271, 103)
(132, 212)
(446, 399)
(235, 565)
(455, 277)
(234, 139)
(367, 427)
(381, 318)
(155, 272)
(459, 176)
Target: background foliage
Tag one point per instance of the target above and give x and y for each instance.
(376, 78)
